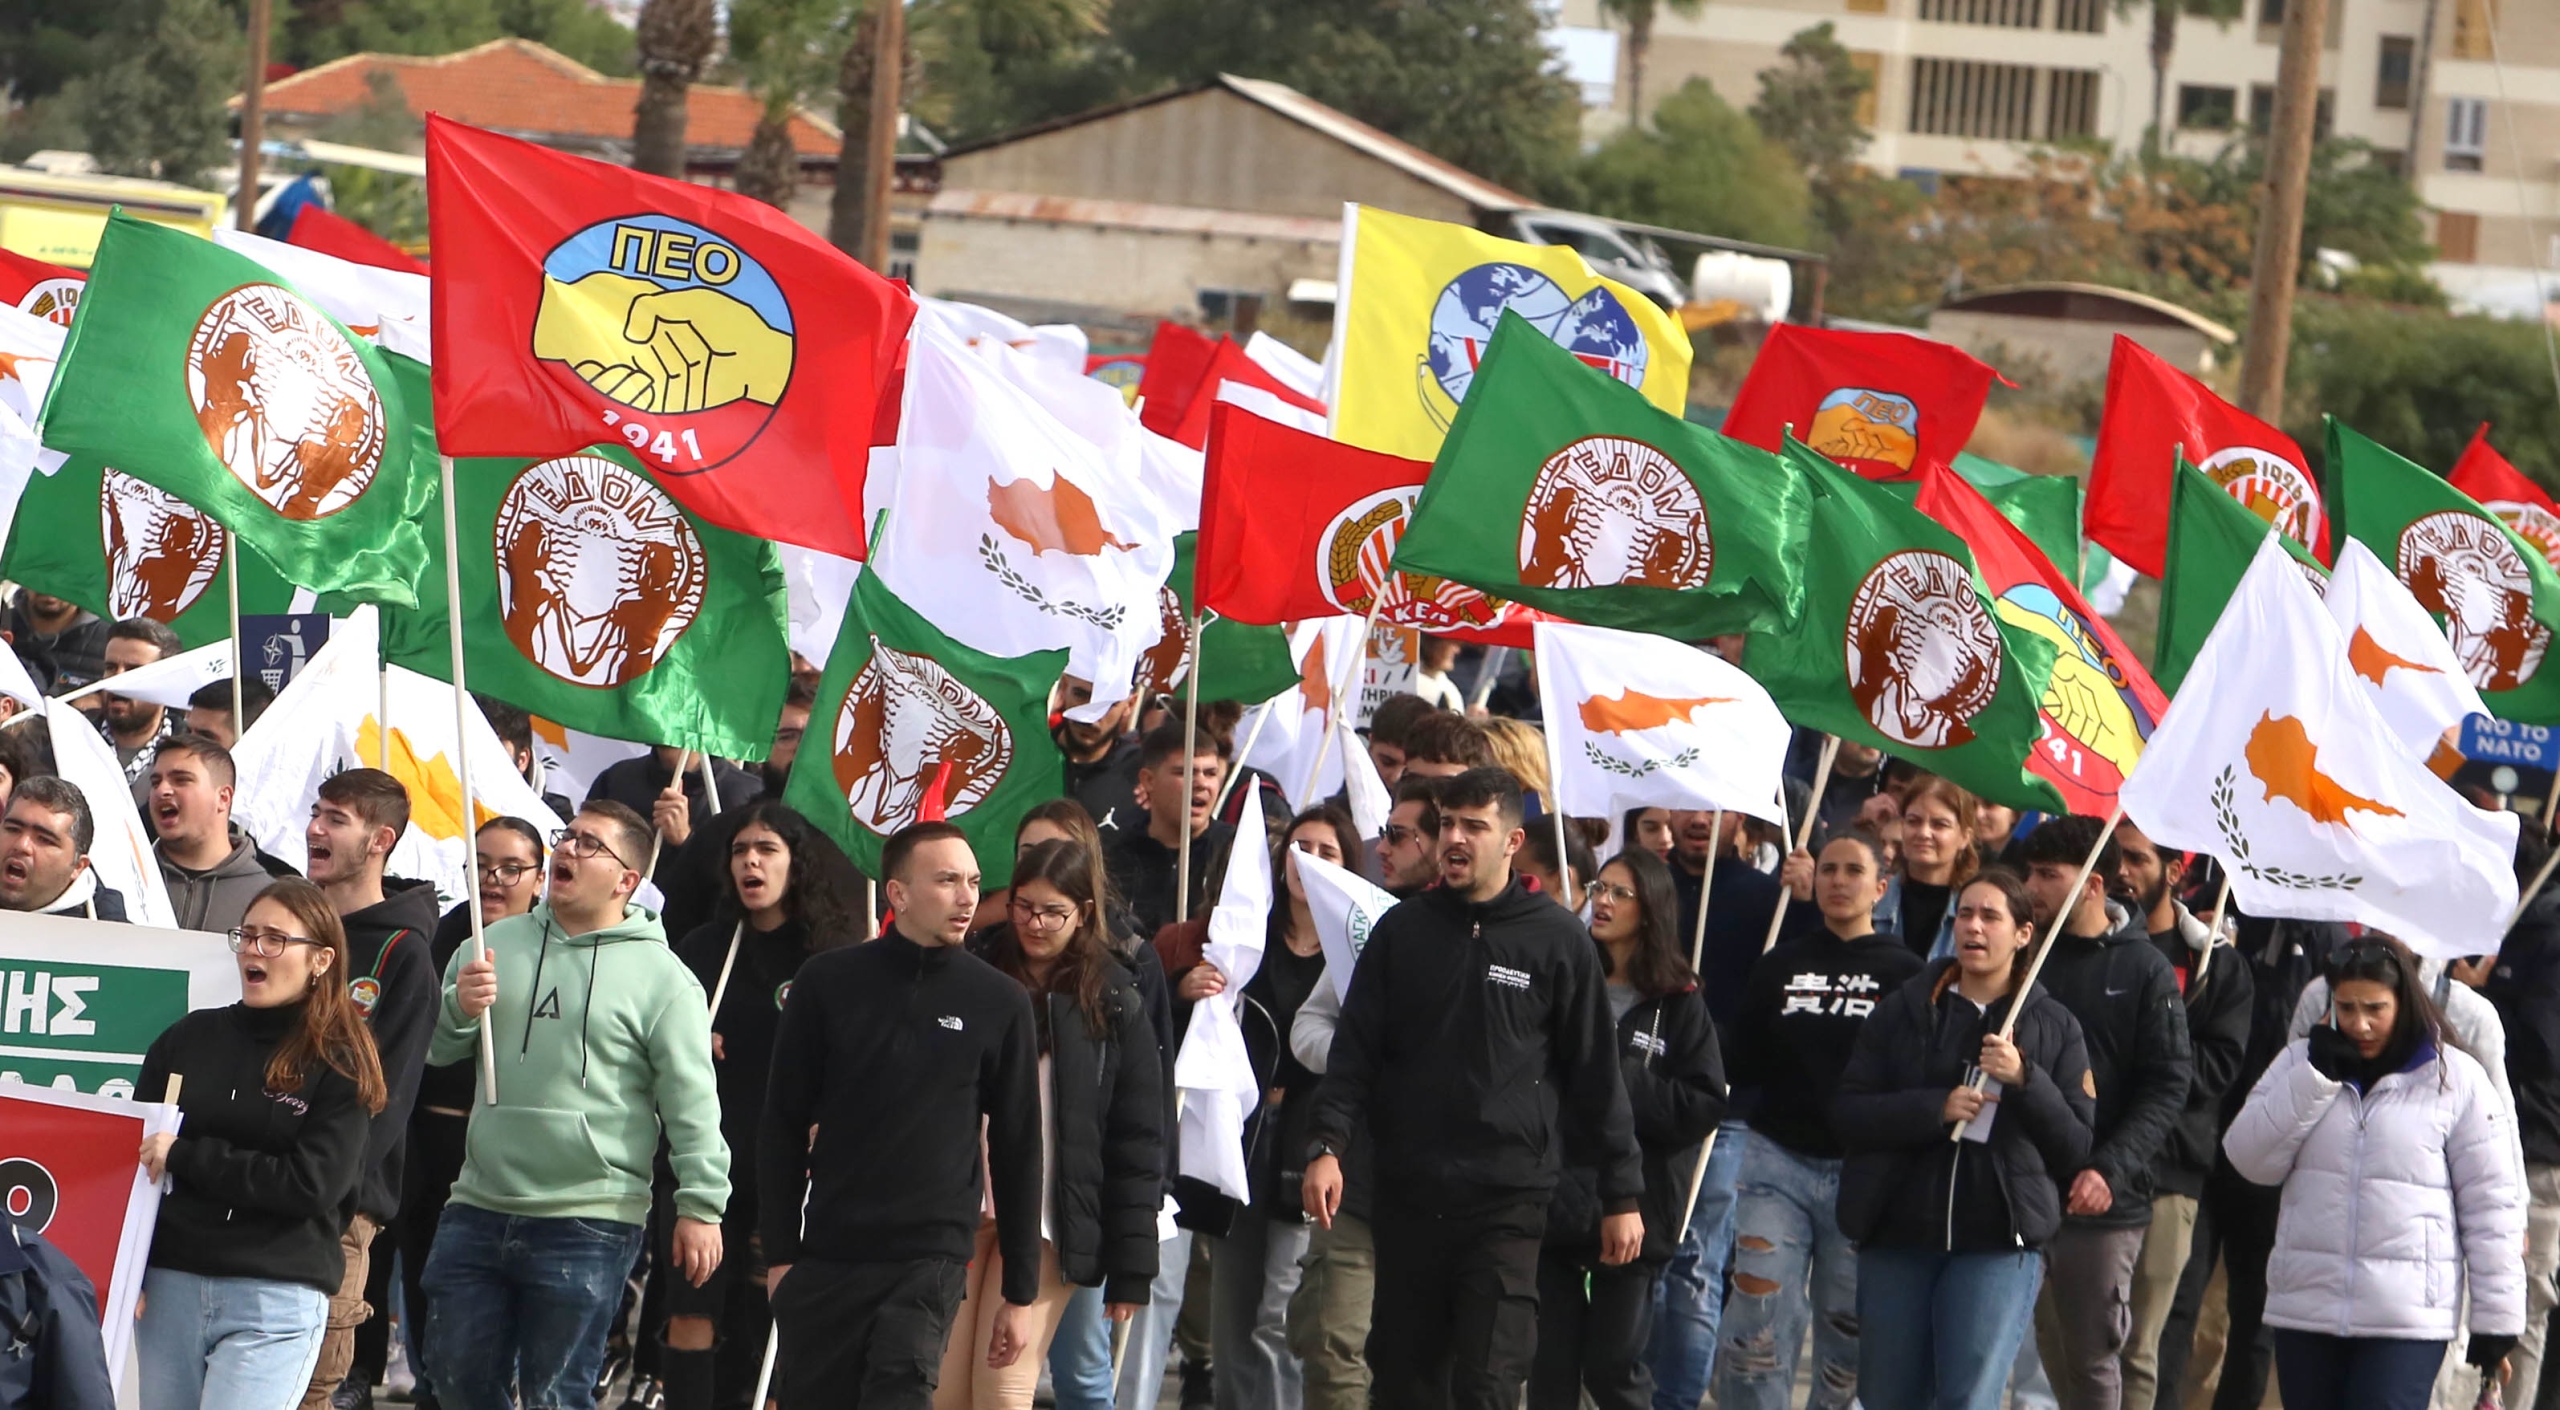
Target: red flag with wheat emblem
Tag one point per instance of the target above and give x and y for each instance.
(2155, 413)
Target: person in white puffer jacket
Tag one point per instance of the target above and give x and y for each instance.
(2400, 1182)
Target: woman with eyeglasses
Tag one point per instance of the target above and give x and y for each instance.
(1798, 1019)
(1594, 1318)
(280, 1092)
(787, 893)
(1102, 1117)
(1955, 1138)
(2402, 1194)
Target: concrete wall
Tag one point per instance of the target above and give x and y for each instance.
(1159, 274)
(1212, 150)
(2073, 350)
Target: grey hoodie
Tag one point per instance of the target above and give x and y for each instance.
(217, 899)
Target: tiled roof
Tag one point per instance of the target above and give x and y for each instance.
(526, 89)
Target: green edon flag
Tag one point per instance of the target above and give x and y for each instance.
(1237, 661)
(120, 548)
(2496, 595)
(591, 598)
(899, 701)
(1563, 488)
(1898, 646)
(201, 372)
(2212, 537)
(2046, 508)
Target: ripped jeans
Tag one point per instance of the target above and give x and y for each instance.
(1791, 1266)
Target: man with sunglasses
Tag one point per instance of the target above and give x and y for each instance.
(603, 1037)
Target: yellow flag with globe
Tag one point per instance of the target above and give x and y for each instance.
(1416, 305)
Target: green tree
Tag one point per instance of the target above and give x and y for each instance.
(989, 66)
(316, 31)
(1638, 16)
(1809, 100)
(786, 50)
(1703, 167)
(676, 42)
(2419, 381)
(1470, 81)
(156, 108)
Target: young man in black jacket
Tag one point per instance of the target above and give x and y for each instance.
(2214, 981)
(1142, 847)
(2104, 970)
(1475, 1045)
(390, 925)
(2523, 981)
(893, 1051)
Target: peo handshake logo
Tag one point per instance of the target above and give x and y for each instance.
(683, 341)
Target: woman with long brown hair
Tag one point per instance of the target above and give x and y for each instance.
(1950, 1232)
(281, 1089)
(1939, 821)
(1101, 1100)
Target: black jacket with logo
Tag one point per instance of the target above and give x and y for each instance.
(1796, 1026)
(393, 980)
(2218, 1007)
(1143, 869)
(1475, 1043)
(1674, 1071)
(2135, 1024)
(2525, 988)
(1904, 1184)
(749, 1012)
(894, 1051)
(264, 1182)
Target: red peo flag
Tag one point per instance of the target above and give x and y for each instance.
(1294, 526)
(739, 356)
(2505, 491)
(316, 228)
(1176, 361)
(2155, 412)
(1882, 404)
(45, 290)
(2101, 704)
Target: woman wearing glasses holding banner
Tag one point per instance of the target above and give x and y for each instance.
(280, 1091)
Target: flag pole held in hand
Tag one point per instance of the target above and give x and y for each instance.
(1706, 893)
(1190, 764)
(462, 766)
(1804, 838)
(2053, 932)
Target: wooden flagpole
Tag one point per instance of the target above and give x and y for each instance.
(1555, 773)
(462, 762)
(2052, 932)
(657, 838)
(1804, 835)
(2221, 903)
(1706, 893)
(382, 721)
(1235, 766)
(710, 789)
(1190, 768)
(239, 663)
(721, 989)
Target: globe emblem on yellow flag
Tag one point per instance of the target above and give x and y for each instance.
(682, 342)
(1595, 328)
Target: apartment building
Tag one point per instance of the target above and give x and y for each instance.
(2462, 94)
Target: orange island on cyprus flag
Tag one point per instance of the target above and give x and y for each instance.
(2273, 760)
(1644, 721)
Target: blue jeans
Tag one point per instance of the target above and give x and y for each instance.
(1080, 1354)
(1937, 1331)
(1151, 1331)
(2315, 1372)
(1791, 1266)
(1691, 1292)
(227, 1343)
(522, 1303)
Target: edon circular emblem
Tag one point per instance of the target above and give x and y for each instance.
(2464, 569)
(285, 402)
(1923, 652)
(1606, 511)
(2274, 488)
(1354, 563)
(28, 1193)
(162, 552)
(2532, 523)
(1160, 667)
(1595, 328)
(903, 717)
(53, 300)
(677, 338)
(598, 571)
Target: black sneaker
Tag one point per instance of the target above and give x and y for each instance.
(646, 1394)
(353, 1393)
(1199, 1390)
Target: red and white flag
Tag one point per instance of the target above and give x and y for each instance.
(2507, 492)
(49, 291)
(2154, 412)
(69, 1170)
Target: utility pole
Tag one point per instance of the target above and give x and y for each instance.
(888, 67)
(253, 124)
(2288, 174)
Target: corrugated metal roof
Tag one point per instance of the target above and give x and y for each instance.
(2162, 307)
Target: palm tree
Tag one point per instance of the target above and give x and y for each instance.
(1639, 16)
(2164, 44)
(676, 39)
(785, 49)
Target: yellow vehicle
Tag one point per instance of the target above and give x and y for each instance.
(56, 217)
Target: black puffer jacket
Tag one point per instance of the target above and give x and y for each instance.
(1475, 1042)
(2135, 1025)
(1106, 1099)
(2525, 987)
(1904, 1184)
(2284, 957)
(1674, 1071)
(2218, 1007)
